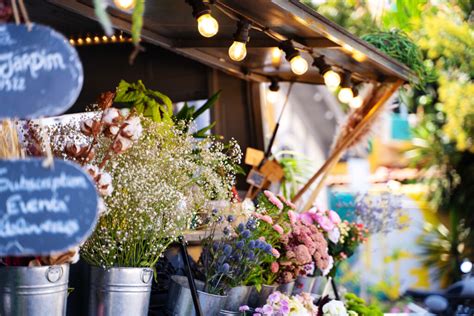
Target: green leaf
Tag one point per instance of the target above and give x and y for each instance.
(202, 132)
(100, 9)
(137, 21)
(121, 90)
(209, 103)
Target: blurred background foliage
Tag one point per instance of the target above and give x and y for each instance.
(443, 135)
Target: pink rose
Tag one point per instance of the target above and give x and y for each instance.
(267, 219)
(334, 217)
(274, 267)
(278, 229)
(306, 218)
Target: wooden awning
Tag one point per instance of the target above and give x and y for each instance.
(170, 24)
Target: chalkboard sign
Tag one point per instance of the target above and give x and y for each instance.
(40, 72)
(44, 210)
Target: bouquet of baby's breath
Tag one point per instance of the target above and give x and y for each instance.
(166, 178)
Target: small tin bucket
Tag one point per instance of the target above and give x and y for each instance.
(286, 288)
(303, 284)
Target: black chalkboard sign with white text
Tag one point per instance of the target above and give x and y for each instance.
(44, 210)
(40, 72)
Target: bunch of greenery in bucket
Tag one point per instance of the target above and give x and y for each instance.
(279, 304)
(229, 258)
(151, 190)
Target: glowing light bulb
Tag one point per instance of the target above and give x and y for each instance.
(72, 42)
(332, 79)
(88, 40)
(113, 38)
(238, 51)
(345, 95)
(466, 266)
(272, 96)
(207, 25)
(298, 65)
(124, 4)
(356, 102)
(80, 41)
(96, 39)
(276, 56)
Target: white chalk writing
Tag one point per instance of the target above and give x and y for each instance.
(39, 184)
(16, 205)
(22, 227)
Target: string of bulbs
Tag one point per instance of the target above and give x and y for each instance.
(208, 27)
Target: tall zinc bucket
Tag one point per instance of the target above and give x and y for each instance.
(259, 298)
(303, 284)
(39, 291)
(119, 291)
(236, 297)
(286, 288)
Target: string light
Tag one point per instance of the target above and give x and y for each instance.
(331, 78)
(346, 94)
(356, 101)
(272, 92)
(238, 49)
(298, 64)
(97, 40)
(125, 5)
(276, 56)
(207, 25)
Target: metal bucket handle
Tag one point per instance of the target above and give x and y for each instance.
(147, 274)
(54, 274)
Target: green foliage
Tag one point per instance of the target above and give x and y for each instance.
(444, 249)
(397, 45)
(137, 21)
(297, 170)
(150, 103)
(358, 305)
(100, 9)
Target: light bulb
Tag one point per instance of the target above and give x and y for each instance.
(298, 65)
(207, 25)
(276, 56)
(272, 96)
(124, 4)
(332, 79)
(345, 95)
(238, 51)
(356, 102)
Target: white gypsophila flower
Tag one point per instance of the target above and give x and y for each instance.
(111, 116)
(101, 208)
(334, 235)
(334, 308)
(133, 128)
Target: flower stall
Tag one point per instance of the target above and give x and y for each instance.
(155, 203)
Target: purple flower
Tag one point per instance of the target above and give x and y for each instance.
(227, 250)
(252, 244)
(244, 308)
(251, 256)
(225, 268)
(240, 227)
(230, 218)
(274, 298)
(214, 211)
(246, 234)
(240, 244)
(267, 309)
(251, 224)
(215, 246)
(268, 248)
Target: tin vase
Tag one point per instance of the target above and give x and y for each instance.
(39, 291)
(119, 291)
(259, 298)
(236, 297)
(286, 288)
(180, 300)
(303, 284)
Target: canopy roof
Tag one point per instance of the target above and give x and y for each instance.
(170, 24)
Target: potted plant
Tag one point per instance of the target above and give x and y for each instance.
(279, 304)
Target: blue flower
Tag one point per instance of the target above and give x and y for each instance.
(221, 259)
(251, 256)
(220, 218)
(224, 268)
(230, 218)
(251, 224)
(214, 211)
(246, 234)
(227, 250)
(261, 245)
(240, 227)
(258, 243)
(240, 244)
(268, 248)
(252, 244)
(215, 246)
(226, 231)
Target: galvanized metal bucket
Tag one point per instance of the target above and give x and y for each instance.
(286, 288)
(119, 291)
(180, 301)
(303, 284)
(319, 284)
(237, 297)
(258, 299)
(39, 291)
